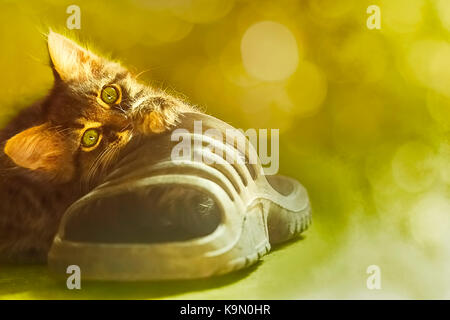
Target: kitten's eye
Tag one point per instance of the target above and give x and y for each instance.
(110, 94)
(90, 138)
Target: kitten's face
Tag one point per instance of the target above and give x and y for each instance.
(88, 116)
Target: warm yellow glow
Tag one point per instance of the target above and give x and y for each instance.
(430, 219)
(201, 11)
(439, 109)
(361, 58)
(232, 67)
(307, 88)
(443, 11)
(167, 29)
(414, 166)
(402, 16)
(267, 105)
(364, 119)
(326, 9)
(429, 62)
(269, 51)
(444, 161)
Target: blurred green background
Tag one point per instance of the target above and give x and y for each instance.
(364, 119)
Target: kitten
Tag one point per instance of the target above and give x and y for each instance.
(70, 138)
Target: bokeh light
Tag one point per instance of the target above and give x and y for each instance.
(307, 89)
(430, 219)
(443, 11)
(444, 160)
(403, 16)
(269, 51)
(201, 11)
(429, 63)
(439, 109)
(327, 10)
(414, 167)
(364, 120)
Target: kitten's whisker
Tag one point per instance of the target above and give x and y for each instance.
(86, 180)
(141, 73)
(101, 164)
(121, 109)
(63, 130)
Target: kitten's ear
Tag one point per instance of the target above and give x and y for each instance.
(41, 149)
(70, 61)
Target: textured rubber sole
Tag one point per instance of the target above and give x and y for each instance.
(283, 225)
(96, 267)
(256, 210)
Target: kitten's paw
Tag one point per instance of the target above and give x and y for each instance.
(151, 123)
(158, 115)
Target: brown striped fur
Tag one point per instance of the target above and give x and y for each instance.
(43, 166)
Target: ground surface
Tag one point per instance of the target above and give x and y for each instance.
(309, 267)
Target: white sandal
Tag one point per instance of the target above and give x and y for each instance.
(112, 233)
